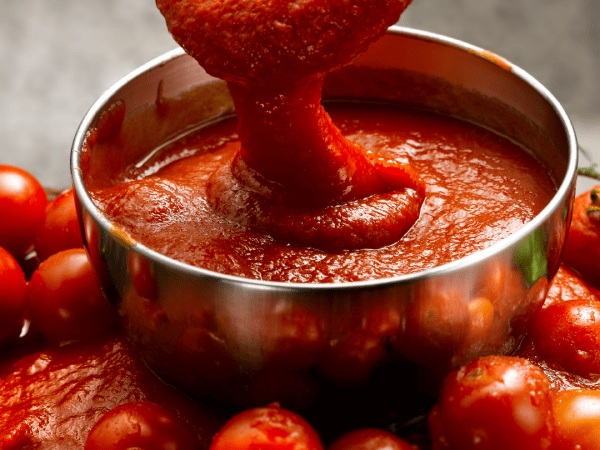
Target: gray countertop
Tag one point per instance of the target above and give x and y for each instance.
(58, 56)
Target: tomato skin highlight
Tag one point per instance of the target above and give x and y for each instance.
(64, 299)
(60, 230)
(144, 425)
(267, 428)
(569, 333)
(370, 439)
(493, 403)
(22, 208)
(577, 415)
(13, 294)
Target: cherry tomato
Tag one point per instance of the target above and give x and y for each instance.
(143, 425)
(64, 299)
(582, 250)
(577, 415)
(22, 208)
(369, 439)
(569, 333)
(13, 294)
(493, 403)
(267, 428)
(60, 230)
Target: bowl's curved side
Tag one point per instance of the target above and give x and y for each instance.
(214, 334)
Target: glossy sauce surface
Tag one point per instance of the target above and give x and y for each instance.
(52, 398)
(480, 189)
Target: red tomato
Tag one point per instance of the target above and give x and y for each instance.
(493, 403)
(60, 230)
(143, 425)
(13, 293)
(268, 428)
(370, 439)
(569, 333)
(582, 250)
(577, 416)
(64, 299)
(22, 208)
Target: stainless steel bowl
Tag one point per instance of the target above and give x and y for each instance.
(213, 335)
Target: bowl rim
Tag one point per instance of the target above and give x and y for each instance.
(444, 269)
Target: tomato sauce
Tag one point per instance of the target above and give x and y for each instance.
(480, 188)
(274, 57)
(367, 191)
(52, 398)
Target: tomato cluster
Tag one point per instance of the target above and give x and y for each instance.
(494, 402)
(61, 298)
(500, 402)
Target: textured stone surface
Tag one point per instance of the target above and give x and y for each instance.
(58, 56)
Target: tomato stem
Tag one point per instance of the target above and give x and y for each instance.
(589, 172)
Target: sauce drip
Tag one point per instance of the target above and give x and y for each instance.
(292, 158)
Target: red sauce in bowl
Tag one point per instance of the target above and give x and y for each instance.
(480, 188)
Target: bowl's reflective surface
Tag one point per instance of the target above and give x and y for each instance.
(235, 339)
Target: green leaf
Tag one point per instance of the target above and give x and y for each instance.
(530, 257)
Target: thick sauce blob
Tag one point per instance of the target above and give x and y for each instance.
(293, 161)
(480, 188)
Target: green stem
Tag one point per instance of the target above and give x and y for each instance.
(593, 212)
(589, 172)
